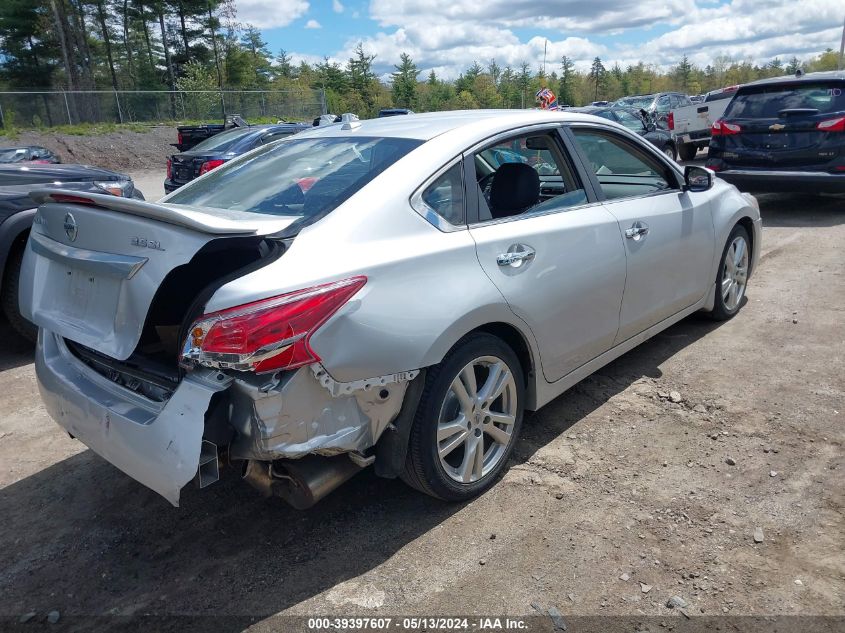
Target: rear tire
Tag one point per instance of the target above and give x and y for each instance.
(687, 151)
(669, 151)
(9, 293)
(468, 420)
(732, 277)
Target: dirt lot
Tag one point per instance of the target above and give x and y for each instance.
(617, 499)
(124, 150)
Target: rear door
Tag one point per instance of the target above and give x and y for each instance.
(669, 237)
(558, 259)
(786, 125)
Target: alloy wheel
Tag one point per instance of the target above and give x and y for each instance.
(476, 421)
(735, 273)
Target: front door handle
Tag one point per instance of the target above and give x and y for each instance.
(637, 231)
(517, 255)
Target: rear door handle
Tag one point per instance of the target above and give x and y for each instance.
(637, 231)
(516, 256)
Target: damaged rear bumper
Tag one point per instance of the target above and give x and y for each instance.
(157, 444)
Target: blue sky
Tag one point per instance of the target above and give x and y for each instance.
(448, 35)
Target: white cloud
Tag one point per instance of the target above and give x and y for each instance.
(270, 14)
(448, 35)
(313, 24)
(337, 6)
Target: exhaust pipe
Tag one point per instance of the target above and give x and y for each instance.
(300, 482)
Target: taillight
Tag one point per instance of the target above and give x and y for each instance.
(208, 165)
(721, 128)
(179, 138)
(671, 121)
(64, 197)
(270, 334)
(832, 125)
(169, 169)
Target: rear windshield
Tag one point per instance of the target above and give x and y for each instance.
(765, 102)
(13, 155)
(297, 177)
(222, 141)
(636, 102)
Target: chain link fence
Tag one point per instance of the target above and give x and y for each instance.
(43, 108)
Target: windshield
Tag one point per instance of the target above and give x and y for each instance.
(636, 102)
(13, 155)
(296, 177)
(222, 141)
(766, 102)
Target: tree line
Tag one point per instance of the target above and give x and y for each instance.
(201, 45)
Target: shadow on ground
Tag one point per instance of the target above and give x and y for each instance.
(83, 538)
(14, 350)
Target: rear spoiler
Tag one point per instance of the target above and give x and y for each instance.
(171, 214)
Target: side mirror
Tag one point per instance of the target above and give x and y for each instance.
(698, 178)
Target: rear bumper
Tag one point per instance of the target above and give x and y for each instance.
(761, 181)
(158, 444)
(171, 186)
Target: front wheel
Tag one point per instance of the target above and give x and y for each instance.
(732, 278)
(669, 151)
(9, 294)
(468, 420)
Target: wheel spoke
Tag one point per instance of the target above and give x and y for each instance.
(467, 376)
(490, 384)
(501, 418)
(732, 300)
(500, 436)
(465, 470)
(446, 430)
(727, 284)
(739, 252)
(465, 400)
(452, 444)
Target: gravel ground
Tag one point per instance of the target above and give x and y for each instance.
(653, 478)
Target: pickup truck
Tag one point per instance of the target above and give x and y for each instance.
(191, 135)
(690, 125)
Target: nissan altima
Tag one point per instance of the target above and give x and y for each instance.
(391, 293)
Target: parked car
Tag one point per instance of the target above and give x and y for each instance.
(784, 134)
(658, 105)
(637, 123)
(394, 111)
(222, 147)
(402, 312)
(27, 154)
(17, 211)
(189, 136)
(690, 125)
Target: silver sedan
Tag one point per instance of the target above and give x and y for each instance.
(392, 293)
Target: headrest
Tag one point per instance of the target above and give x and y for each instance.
(515, 187)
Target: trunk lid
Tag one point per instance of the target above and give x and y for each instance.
(91, 271)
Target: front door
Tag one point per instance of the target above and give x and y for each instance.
(669, 236)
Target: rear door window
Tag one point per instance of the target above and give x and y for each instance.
(766, 102)
(445, 196)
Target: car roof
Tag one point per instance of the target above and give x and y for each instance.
(826, 75)
(427, 125)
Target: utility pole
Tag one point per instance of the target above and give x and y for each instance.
(841, 64)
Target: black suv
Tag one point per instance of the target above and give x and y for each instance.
(783, 134)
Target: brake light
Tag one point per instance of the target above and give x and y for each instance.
(208, 165)
(179, 138)
(832, 125)
(169, 169)
(270, 334)
(721, 128)
(671, 121)
(63, 197)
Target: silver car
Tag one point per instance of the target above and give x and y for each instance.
(393, 292)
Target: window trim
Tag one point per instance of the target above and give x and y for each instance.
(627, 138)
(427, 212)
(554, 130)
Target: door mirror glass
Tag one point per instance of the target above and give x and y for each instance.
(698, 178)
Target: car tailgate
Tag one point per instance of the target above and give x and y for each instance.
(91, 271)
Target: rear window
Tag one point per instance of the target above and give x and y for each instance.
(765, 102)
(297, 177)
(636, 102)
(221, 141)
